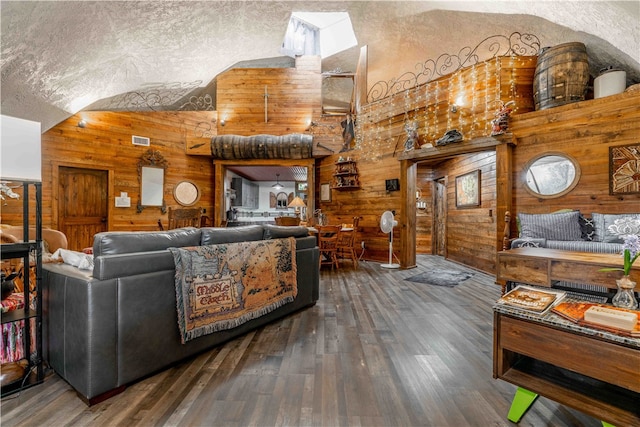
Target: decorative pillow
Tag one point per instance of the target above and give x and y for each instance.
(587, 228)
(74, 258)
(555, 226)
(528, 243)
(601, 223)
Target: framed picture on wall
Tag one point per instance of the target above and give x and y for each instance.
(325, 192)
(468, 190)
(624, 169)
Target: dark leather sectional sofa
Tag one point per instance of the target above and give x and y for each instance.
(108, 328)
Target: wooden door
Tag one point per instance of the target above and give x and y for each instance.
(82, 205)
(440, 217)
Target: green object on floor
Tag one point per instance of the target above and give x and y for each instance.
(522, 400)
(606, 424)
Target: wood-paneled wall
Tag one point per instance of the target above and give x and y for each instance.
(424, 217)
(477, 92)
(585, 131)
(105, 143)
(471, 231)
(293, 99)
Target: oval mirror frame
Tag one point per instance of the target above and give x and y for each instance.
(550, 175)
(186, 193)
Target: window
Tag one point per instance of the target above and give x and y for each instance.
(318, 33)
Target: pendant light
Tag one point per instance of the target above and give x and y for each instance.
(277, 185)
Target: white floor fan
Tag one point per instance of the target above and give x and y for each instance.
(386, 225)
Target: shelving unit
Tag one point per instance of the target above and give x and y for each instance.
(345, 176)
(34, 374)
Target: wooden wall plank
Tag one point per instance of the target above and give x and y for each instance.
(105, 143)
(585, 131)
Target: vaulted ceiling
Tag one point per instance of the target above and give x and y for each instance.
(59, 57)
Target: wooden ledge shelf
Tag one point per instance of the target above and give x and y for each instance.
(456, 148)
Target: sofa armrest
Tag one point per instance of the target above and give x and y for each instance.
(80, 328)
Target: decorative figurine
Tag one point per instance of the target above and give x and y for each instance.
(411, 129)
(348, 133)
(450, 137)
(500, 124)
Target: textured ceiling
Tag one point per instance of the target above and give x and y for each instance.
(59, 57)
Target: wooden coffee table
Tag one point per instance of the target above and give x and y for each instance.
(543, 267)
(595, 372)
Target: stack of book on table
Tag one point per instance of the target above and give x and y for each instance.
(617, 320)
(531, 299)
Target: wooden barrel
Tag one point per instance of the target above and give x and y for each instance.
(234, 147)
(561, 75)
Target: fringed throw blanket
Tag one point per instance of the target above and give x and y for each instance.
(223, 286)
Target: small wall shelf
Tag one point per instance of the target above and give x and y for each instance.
(345, 176)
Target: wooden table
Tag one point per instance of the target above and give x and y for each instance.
(543, 267)
(595, 372)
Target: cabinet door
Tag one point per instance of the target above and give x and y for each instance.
(252, 192)
(236, 184)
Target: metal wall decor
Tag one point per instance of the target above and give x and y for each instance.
(624, 169)
(491, 47)
(198, 103)
(153, 97)
(186, 193)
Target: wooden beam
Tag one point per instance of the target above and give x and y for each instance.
(451, 150)
(408, 174)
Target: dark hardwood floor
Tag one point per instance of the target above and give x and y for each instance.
(376, 350)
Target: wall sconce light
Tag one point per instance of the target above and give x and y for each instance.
(454, 108)
(82, 124)
(222, 122)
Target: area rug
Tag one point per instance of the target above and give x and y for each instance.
(447, 278)
(222, 286)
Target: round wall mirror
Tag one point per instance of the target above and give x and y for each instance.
(186, 193)
(551, 175)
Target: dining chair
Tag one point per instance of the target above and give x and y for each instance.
(328, 244)
(346, 242)
(287, 220)
(184, 217)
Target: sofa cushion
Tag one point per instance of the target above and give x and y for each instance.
(585, 246)
(586, 226)
(528, 242)
(555, 226)
(217, 235)
(282, 231)
(601, 223)
(124, 242)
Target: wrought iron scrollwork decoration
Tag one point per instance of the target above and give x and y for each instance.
(491, 47)
(204, 129)
(153, 97)
(198, 103)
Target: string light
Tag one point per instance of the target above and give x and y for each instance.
(377, 129)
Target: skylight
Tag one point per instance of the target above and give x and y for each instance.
(318, 33)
